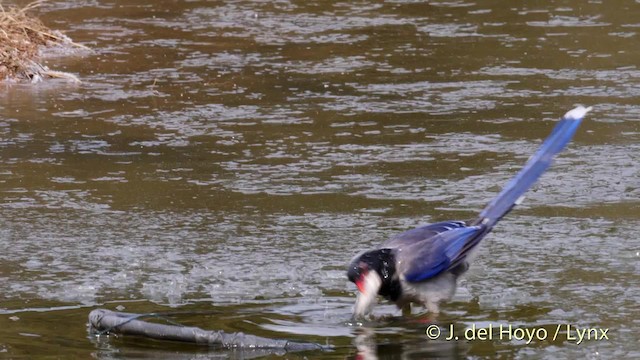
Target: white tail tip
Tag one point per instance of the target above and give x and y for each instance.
(578, 113)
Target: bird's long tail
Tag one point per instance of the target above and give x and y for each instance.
(533, 169)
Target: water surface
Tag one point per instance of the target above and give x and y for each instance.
(229, 158)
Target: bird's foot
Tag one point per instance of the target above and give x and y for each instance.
(424, 319)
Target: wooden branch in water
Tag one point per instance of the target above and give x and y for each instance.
(106, 321)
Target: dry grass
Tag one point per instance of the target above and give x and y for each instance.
(21, 38)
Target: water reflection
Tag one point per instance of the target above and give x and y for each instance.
(369, 349)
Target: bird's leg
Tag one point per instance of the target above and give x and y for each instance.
(433, 308)
(406, 310)
(429, 316)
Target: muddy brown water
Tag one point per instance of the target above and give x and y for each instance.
(226, 159)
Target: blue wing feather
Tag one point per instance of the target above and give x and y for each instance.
(421, 233)
(427, 251)
(424, 260)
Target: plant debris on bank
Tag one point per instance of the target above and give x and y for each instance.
(22, 39)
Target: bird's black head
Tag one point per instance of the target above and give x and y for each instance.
(382, 261)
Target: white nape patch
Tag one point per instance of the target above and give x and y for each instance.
(578, 113)
(367, 298)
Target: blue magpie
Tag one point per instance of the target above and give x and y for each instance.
(423, 265)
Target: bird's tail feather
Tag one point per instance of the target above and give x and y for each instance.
(533, 169)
